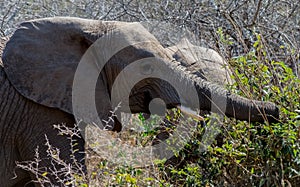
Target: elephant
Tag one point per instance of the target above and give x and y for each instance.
(37, 73)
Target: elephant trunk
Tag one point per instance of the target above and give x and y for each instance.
(252, 110)
(215, 98)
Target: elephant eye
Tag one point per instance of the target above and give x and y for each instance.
(146, 69)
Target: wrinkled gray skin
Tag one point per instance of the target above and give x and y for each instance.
(23, 126)
(39, 63)
(203, 62)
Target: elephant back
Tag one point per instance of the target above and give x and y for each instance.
(204, 62)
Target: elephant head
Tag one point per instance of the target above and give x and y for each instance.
(42, 56)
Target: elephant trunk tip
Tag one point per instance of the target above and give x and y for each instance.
(252, 110)
(268, 110)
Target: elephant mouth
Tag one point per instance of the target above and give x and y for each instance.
(138, 101)
(186, 111)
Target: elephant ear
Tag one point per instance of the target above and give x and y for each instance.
(204, 62)
(41, 57)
